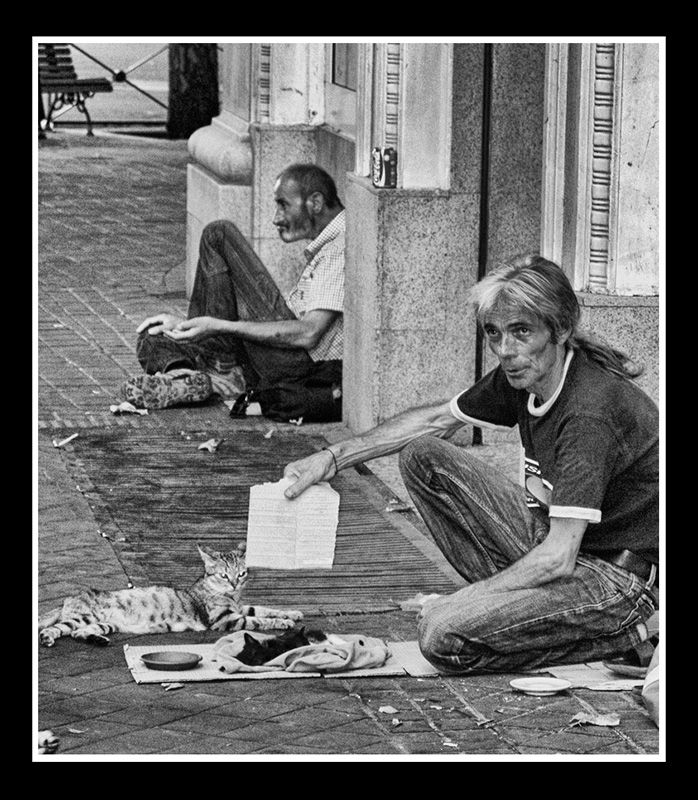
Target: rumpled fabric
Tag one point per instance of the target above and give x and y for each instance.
(650, 688)
(339, 653)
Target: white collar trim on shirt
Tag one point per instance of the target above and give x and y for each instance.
(538, 411)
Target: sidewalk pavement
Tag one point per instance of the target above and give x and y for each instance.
(111, 234)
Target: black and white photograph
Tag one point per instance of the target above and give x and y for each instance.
(348, 399)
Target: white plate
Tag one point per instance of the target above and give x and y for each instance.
(540, 686)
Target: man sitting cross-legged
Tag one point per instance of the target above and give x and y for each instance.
(241, 333)
(563, 569)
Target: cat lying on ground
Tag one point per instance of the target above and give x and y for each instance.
(212, 602)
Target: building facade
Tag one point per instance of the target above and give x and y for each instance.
(502, 148)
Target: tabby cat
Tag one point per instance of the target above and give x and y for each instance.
(259, 651)
(213, 602)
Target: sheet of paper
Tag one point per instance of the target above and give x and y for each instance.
(292, 534)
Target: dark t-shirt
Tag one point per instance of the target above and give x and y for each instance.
(593, 453)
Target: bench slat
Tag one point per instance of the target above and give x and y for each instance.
(79, 85)
(57, 72)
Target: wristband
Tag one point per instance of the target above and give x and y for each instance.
(336, 468)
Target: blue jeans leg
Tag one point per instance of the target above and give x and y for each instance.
(231, 283)
(481, 522)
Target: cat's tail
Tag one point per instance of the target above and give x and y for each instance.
(50, 617)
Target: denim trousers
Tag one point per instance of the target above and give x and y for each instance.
(231, 283)
(480, 521)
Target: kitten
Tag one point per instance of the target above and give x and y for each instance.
(212, 602)
(259, 651)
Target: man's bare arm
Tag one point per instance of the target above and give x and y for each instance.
(287, 333)
(555, 557)
(387, 438)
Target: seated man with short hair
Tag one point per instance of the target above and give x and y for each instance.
(241, 333)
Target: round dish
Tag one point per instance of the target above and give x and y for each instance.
(170, 660)
(540, 686)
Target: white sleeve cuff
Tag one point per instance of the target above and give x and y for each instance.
(575, 512)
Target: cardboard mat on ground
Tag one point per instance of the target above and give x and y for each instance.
(594, 676)
(405, 659)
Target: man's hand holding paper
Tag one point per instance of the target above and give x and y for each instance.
(308, 471)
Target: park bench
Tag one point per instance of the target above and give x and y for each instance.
(59, 81)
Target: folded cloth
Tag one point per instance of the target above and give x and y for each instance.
(338, 653)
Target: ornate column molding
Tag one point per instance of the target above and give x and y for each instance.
(600, 182)
(393, 67)
(261, 69)
(412, 105)
(386, 95)
(601, 163)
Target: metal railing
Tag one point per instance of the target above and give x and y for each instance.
(120, 75)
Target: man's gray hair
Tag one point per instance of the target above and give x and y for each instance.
(538, 286)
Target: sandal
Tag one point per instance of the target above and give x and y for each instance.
(635, 662)
(165, 389)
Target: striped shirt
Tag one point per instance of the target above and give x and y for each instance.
(321, 286)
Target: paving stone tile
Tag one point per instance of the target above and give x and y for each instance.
(83, 683)
(210, 723)
(69, 709)
(290, 749)
(647, 740)
(188, 699)
(81, 734)
(264, 732)
(212, 745)
(152, 740)
(344, 739)
(250, 710)
(572, 740)
(146, 715)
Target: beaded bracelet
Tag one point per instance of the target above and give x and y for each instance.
(336, 468)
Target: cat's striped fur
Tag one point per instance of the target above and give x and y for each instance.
(213, 602)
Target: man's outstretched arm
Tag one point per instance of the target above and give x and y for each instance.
(288, 333)
(387, 438)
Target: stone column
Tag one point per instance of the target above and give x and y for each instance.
(411, 250)
(219, 178)
(271, 103)
(601, 189)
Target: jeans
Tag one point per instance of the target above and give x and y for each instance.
(231, 283)
(480, 521)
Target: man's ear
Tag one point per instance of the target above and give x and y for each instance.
(315, 203)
